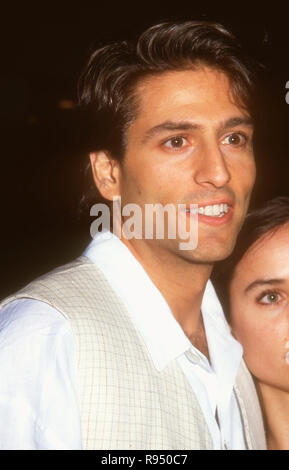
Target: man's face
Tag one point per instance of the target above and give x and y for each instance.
(191, 144)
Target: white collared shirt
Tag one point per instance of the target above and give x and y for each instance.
(38, 400)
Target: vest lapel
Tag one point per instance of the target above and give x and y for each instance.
(250, 410)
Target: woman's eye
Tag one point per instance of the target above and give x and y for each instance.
(176, 142)
(235, 139)
(269, 298)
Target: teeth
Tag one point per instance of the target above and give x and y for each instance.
(216, 210)
(209, 210)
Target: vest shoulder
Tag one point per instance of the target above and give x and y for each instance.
(77, 278)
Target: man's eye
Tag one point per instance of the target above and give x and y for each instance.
(235, 139)
(176, 142)
(269, 298)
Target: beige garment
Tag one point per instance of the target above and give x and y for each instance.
(125, 403)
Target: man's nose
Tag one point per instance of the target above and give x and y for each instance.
(212, 169)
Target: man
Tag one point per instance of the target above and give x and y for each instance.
(127, 346)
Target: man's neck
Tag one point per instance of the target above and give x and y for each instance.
(275, 404)
(181, 282)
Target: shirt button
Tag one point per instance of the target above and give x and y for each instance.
(193, 357)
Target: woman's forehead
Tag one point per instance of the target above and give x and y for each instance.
(269, 254)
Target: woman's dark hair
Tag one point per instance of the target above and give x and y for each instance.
(108, 83)
(258, 223)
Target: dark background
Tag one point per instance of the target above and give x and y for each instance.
(43, 50)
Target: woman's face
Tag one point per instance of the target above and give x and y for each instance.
(259, 297)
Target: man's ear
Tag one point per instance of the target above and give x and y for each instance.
(106, 174)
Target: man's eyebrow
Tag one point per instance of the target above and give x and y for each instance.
(187, 126)
(170, 126)
(237, 121)
(263, 282)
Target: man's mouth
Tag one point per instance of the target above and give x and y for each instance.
(214, 210)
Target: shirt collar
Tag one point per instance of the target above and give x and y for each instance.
(225, 351)
(149, 311)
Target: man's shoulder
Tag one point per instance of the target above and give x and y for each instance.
(34, 309)
(25, 318)
(76, 289)
(69, 276)
(79, 263)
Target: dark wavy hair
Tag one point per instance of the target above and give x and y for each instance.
(258, 223)
(107, 85)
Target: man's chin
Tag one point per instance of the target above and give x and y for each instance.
(208, 255)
